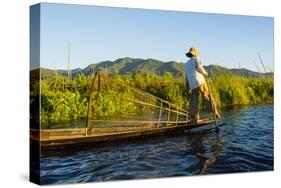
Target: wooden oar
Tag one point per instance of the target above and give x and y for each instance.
(211, 103)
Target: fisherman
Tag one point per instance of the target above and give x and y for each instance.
(195, 75)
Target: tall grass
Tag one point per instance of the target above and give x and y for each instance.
(64, 100)
(230, 90)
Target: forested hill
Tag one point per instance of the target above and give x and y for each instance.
(133, 66)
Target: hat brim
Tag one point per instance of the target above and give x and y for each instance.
(188, 54)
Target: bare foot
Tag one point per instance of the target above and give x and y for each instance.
(199, 120)
(196, 121)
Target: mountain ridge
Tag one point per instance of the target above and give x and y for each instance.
(134, 66)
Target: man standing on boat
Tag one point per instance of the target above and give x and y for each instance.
(195, 75)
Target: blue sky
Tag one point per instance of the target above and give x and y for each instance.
(103, 33)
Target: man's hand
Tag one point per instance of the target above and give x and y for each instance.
(189, 92)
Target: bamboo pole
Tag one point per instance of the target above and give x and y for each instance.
(160, 113)
(257, 66)
(98, 82)
(169, 114)
(262, 63)
(68, 67)
(89, 105)
(211, 103)
(135, 121)
(177, 118)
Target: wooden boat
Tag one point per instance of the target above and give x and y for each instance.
(54, 138)
(92, 134)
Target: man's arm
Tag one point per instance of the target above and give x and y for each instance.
(200, 68)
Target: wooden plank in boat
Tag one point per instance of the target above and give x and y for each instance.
(68, 137)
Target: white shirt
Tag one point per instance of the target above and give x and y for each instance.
(194, 72)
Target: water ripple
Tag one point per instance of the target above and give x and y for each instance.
(244, 144)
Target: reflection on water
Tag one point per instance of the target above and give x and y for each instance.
(206, 153)
(216, 150)
(244, 143)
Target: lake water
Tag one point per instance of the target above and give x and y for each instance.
(244, 144)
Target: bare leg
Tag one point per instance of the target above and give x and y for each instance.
(212, 107)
